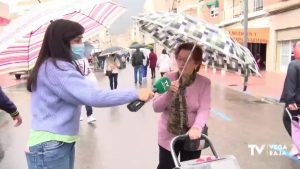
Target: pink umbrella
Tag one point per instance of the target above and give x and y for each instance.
(22, 54)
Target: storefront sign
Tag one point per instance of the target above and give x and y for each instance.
(255, 35)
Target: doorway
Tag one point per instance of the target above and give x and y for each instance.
(259, 50)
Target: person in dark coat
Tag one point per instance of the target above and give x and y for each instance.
(7, 105)
(137, 63)
(291, 90)
(152, 63)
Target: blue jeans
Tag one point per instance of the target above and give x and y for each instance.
(51, 155)
(145, 71)
(138, 71)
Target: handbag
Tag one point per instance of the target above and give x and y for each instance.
(108, 73)
(197, 144)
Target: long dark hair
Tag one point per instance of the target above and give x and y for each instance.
(197, 54)
(56, 45)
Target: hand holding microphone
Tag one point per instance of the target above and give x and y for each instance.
(174, 86)
(160, 86)
(145, 94)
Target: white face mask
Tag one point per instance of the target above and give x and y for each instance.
(77, 51)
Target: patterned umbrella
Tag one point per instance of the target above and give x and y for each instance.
(20, 52)
(112, 50)
(171, 29)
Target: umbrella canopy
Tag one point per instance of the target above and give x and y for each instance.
(112, 50)
(20, 52)
(171, 29)
(136, 46)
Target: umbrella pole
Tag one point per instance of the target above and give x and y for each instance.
(187, 61)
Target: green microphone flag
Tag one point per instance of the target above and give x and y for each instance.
(160, 86)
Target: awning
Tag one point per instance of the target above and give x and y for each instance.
(213, 3)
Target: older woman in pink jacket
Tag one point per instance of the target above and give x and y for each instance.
(185, 107)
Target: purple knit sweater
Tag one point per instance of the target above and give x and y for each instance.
(56, 102)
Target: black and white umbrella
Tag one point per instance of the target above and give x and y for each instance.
(171, 29)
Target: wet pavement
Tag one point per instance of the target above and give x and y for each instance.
(123, 139)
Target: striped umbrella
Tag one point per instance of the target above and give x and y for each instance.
(21, 54)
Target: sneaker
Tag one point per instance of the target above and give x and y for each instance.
(91, 119)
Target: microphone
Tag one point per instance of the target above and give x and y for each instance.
(160, 86)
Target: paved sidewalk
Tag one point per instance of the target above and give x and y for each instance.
(7, 80)
(269, 85)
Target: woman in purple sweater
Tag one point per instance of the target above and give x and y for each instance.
(185, 107)
(58, 90)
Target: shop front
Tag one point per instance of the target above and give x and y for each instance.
(258, 39)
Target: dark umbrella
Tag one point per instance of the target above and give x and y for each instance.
(137, 46)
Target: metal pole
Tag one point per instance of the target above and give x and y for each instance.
(246, 70)
(246, 23)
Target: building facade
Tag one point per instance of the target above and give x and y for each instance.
(273, 29)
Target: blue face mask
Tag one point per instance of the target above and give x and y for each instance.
(77, 51)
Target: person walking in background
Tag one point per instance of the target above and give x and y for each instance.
(7, 105)
(101, 62)
(87, 72)
(112, 65)
(146, 53)
(259, 61)
(164, 63)
(137, 62)
(291, 94)
(185, 107)
(152, 63)
(58, 89)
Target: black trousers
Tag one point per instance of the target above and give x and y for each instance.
(89, 110)
(113, 81)
(152, 73)
(165, 157)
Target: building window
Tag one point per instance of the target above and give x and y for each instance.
(258, 5)
(286, 53)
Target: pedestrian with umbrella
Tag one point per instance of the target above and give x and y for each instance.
(111, 69)
(185, 107)
(58, 90)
